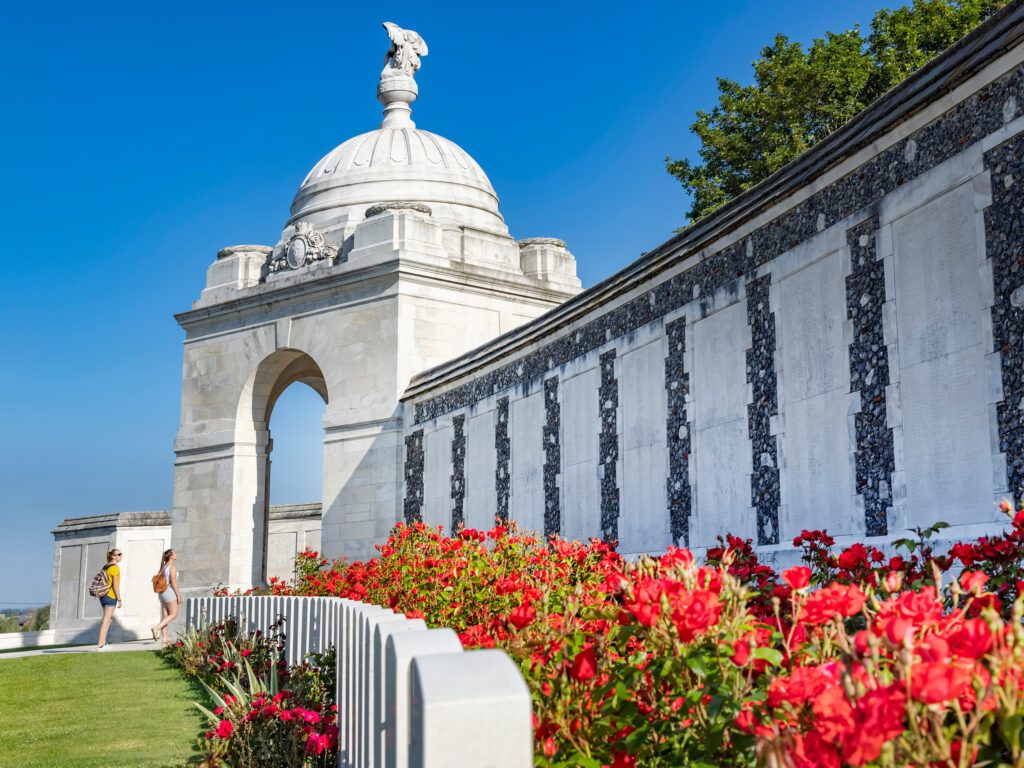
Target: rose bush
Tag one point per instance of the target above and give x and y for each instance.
(265, 714)
(853, 659)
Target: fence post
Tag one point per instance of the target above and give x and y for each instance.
(380, 629)
(353, 673)
(469, 709)
(399, 653)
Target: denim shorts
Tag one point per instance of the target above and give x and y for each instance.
(106, 601)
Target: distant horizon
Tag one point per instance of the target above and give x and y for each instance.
(148, 139)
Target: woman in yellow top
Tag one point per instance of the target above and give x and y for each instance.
(112, 599)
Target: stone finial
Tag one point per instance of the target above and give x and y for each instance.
(397, 88)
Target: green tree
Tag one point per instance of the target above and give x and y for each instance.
(800, 96)
(40, 621)
(9, 624)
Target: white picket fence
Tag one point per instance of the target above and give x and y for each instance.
(408, 696)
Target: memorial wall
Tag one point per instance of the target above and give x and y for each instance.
(838, 348)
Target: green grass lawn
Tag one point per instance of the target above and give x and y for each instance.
(102, 710)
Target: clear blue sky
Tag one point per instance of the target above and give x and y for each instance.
(139, 139)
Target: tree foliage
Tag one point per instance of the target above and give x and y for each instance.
(800, 96)
(39, 621)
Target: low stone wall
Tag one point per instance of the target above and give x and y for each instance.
(838, 348)
(10, 640)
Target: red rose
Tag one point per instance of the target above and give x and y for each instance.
(224, 729)
(899, 631)
(522, 616)
(740, 652)
(584, 666)
(973, 581)
(972, 640)
(549, 747)
(797, 578)
(745, 721)
(933, 682)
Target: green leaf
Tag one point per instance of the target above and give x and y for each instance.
(212, 717)
(698, 664)
(715, 706)
(1011, 727)
(771, 655)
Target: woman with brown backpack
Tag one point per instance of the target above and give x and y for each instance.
(165, 584)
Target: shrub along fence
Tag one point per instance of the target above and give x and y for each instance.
(406, 695)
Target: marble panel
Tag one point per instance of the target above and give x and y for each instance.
(481, 464)
(70, 585)
(437, 489)
(721, 450)
(644, 519)
(947, 450)
(938, 293)
(581, 492)
(282, 547)
(527, 433)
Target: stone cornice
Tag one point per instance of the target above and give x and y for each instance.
(467, 277)
(260, 296)
(113, 520)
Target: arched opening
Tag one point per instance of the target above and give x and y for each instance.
(278, 418)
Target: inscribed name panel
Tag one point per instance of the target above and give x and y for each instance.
(282, 546)
(810, 340)
(937, 249)
(722, 487)
(946, 445)
(817, 479)
(526, 505)
(721, 444)
(95, 558)
(481, 464)
(138, 567)
(719, 377)
(437, 475)
(643, 516)
(69, 586)
(581, 499)
(817, 474)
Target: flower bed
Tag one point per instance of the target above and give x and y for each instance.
(856, 659)
(266, 714)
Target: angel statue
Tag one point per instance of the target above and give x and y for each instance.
(403, 57)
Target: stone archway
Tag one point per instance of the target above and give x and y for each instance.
(251, 475)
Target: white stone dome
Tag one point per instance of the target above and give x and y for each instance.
(397, 163)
